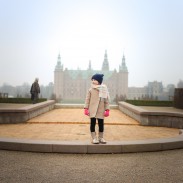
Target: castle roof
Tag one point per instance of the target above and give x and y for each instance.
(85, 74)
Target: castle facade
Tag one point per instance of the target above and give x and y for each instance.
(70, 86)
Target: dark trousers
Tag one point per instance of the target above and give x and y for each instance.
(93, 124)
(34, 98)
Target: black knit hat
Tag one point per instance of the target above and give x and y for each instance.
(98, 77)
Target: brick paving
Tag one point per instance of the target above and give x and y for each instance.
(72, 124)
(76, 116)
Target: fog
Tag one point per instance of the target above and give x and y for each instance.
(34, 32)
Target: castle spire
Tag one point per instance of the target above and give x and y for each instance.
(89, 65)
(105, 65)
(123, 66)
(59, 65)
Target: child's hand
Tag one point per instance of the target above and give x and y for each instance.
(86, 112)
(106, 113)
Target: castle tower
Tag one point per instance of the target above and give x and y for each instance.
(123, 78)
(105, 65)
(58, 79)
(123, 66)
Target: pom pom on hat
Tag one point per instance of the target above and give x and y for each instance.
(98, 77)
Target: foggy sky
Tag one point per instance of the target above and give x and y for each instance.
(34, 32)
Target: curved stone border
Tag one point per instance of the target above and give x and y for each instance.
(152, 118)
(85, 147)
(23, 114)
(144, 117)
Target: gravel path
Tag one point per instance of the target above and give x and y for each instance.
(155, 167)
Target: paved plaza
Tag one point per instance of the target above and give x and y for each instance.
(71, 124)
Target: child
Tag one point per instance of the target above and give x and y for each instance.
(97, 106)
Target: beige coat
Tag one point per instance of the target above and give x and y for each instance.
(96, 105)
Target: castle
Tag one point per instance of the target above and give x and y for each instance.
(70, 86)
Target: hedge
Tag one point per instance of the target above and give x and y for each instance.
(20, 100)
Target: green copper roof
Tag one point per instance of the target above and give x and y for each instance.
(85, 74)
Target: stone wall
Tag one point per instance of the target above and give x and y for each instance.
(20, 115)
(152, 118)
